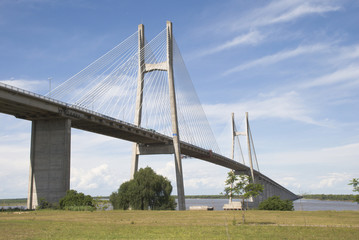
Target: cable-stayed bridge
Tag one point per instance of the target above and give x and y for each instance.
(139, 91)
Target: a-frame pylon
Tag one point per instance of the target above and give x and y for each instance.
(250, 143)
(163, 66)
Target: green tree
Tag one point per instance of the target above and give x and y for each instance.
(355, 184)
(276, 204)
(242, 186)
(146, 190)
(75, 199)
(231, 190)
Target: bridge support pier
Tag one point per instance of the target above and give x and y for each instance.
(49, 161)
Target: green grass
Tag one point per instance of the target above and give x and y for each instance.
(47, 224)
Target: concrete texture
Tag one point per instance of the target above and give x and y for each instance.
(49, 161)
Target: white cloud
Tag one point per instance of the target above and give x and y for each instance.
(346, 74)
(320, 170)
(289, 182)
(168, 171)
(202, 177)
(281, 12)
(29, 85)
(200, 182)
(300, 11)
(288, 106)
(347, 53)
(255, 20)
(278, 57)
(251, 38)
(90, 179)
(331, 180)
(14, 157)
(340, 156)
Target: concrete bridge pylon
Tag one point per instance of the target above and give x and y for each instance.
(138, 149)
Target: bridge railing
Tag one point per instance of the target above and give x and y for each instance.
(63, 104)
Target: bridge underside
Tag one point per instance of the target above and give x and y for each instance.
(51, 165)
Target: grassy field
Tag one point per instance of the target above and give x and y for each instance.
(51, 224)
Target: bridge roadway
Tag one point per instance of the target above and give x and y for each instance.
(30, 106)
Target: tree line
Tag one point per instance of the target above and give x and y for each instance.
(332, 197)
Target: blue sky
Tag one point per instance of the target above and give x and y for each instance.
(293, 65)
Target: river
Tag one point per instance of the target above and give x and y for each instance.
(299, 205)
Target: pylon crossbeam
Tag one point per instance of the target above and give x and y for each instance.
(150, 67)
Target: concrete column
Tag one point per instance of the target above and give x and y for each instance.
(49, 161)
(139, 96)
(232, 153)
(175, 133)
(249, 147)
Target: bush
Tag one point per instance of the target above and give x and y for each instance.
(275, 203)
(356, 199)
(43, 204)
(75, 199)
(14, 209)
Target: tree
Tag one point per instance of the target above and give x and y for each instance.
(146, 190)
(75, 199)
(275, 203)
(355, 184)
(230, 182)
(242, 186)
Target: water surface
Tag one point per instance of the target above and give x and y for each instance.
(299, 205)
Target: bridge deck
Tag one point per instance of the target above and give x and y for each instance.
(30, 106)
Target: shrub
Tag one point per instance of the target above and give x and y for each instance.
(43, 204)
(355, 184)
(275, 203)
(75, 199)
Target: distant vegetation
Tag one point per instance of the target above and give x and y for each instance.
(13, 202)
(333, 197)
